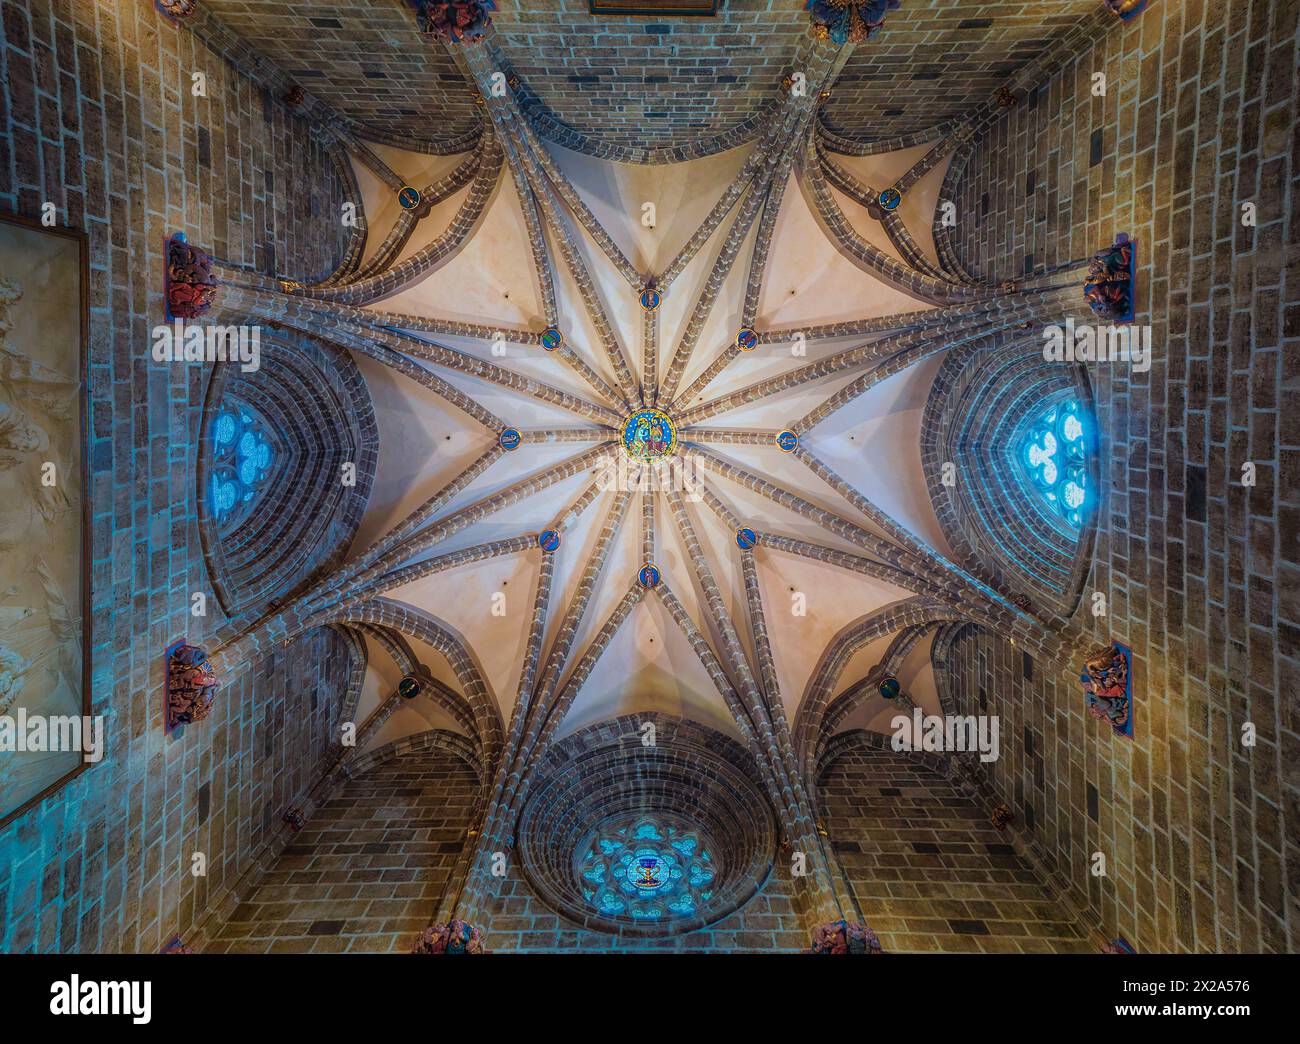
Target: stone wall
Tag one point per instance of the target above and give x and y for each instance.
(98, 117)
(1199, 572)
(652, 86)
(369, 869)
(520, 922)
(366, 872)
(928, 869)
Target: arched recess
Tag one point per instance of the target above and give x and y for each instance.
(415, 623)
(912, 836)
(818, 713)
(978, 415)
(401, 818)
(415, 744)
(692, 779)
(311, 406)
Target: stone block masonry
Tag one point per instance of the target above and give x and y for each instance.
(99, 119)
(928, 869)
(367, 871)
(1200, 573)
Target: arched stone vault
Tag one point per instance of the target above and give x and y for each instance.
(818, 275)
(726, 540)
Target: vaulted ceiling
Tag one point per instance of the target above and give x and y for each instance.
(763, 298)
(425, 443)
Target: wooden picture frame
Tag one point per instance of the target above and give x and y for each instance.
(664, 8)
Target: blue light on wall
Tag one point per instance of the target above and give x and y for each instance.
(242, 457)
(645, 869)
(1054, 452)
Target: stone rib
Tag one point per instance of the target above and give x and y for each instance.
(331, 326)
(590, 296)
(847, 146)
(417, 624)
(434, 690)
(866, 256)
(733, 655)
(543, 436)
(407, 221)
(834, 884)
(714, 219)
(356, 247)
(920, 553)
(532, 714)
(741, 226)
(536, 239)
(896, 616)
(1010, 313)
(576, 206)
(649, 358)
(573, 685)
(466, 217)
(851, 698)
(542, 268)
(477, 553)
(480, 509)
(899, 565)
(754, 283)
(729, 436)
(511, 126)
(647, 527)
(722, 683)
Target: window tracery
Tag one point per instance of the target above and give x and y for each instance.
(1054, 452)
(242, 458)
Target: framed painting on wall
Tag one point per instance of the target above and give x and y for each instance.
(45, 726)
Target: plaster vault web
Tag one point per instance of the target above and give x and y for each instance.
(700, 461)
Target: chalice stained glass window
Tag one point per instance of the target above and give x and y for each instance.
(646, 869)
(242, 456)
(1054, 452)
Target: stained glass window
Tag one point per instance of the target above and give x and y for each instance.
(645, 868)
(1054, 451)
(242, 457)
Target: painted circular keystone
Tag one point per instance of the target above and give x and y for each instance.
(408, 197)
(890, 199)
(548, 540)
(509, 439)
(787, 440)
(889, 687)
(409, 688)
(649, 576)
(747, 339)
(649, 436)
(746, 538)
(552, 338)
(650, 298)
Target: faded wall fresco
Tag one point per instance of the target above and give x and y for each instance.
(41, 576)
